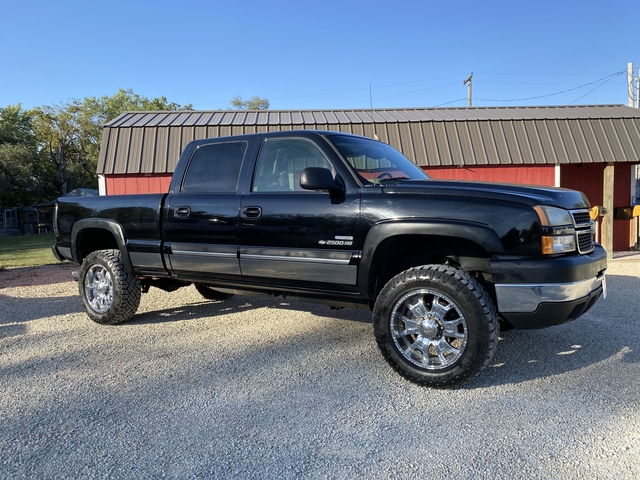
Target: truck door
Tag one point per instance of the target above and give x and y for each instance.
(294, 237)
(201, 219)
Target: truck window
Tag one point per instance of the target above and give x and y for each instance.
(375, 162)
(214, 168)
(281, 163)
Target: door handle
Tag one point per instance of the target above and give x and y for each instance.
(251, 213)
(182, 212)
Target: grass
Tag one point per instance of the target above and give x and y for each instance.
(27, 251)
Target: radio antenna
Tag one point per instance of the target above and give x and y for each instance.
(373, 124)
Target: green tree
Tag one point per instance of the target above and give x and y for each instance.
(95, 112)
(50, 150)
(256, 103)
(19, 183)
(15, 126)
(69, 135)
(62, 147)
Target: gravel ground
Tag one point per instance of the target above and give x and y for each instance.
(261, 388)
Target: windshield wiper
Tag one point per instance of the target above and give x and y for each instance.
(386, 181)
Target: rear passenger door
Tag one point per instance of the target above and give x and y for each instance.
(201, 220)
(295, 237)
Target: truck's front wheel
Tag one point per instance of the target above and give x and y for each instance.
(109, 294)
(435, 325)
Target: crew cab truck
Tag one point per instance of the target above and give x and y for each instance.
(346, 221)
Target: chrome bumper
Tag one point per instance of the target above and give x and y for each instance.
(525, 298)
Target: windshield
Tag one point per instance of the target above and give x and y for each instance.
(375, 162)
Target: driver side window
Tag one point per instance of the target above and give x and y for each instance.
(281, 163)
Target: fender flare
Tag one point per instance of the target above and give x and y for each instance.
(102, 224)
(477, 233)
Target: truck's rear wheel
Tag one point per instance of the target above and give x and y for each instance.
(109, 294)
(435, 325)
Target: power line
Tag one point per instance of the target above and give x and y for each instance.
(542, 74)
(370, 87)
(591, 90)
(398, 95)
(449, 103)
(607, 78)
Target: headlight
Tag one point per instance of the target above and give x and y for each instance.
(558, 232)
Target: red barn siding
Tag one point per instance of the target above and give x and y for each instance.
(588, 178)
(131, 184)
(531, 174)
(622, 198)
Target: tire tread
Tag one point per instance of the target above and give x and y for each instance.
(127, 290)
(476, 295)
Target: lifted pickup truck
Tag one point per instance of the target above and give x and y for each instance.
(347, 221)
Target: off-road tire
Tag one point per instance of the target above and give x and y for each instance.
(470, 321)
(210, 293)
(109, 294)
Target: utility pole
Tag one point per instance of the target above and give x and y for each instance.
(467, 82)
(630, 84)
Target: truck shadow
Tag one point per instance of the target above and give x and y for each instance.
(525, 356)
(608, 334)
(521, 355)
(16, 313)
(37, 276)
(240, 303)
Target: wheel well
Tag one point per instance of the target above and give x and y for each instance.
(399, 253)
(92, 239)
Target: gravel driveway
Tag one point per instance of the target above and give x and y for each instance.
(261, 388)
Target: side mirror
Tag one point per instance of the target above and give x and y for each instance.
(316, 178)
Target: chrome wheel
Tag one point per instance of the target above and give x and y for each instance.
(435, 325)
(109, 293)
(428, 329)
(98, 288)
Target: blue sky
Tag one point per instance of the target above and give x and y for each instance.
(320, 54)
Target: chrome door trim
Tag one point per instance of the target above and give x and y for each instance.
(320, 266)
(337, 257)
(225, 251)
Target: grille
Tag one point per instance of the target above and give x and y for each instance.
(585, 241)
(584, 230)
(581, 217)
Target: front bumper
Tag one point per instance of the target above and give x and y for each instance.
(542, 293)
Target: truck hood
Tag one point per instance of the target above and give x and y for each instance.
(525, 194)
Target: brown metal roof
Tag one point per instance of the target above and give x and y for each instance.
(151, 142)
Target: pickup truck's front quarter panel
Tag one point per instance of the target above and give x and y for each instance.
(437, 229)
(394, 246)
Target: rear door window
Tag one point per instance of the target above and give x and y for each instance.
(214, 168)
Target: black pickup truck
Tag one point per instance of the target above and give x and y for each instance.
(346, 221)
